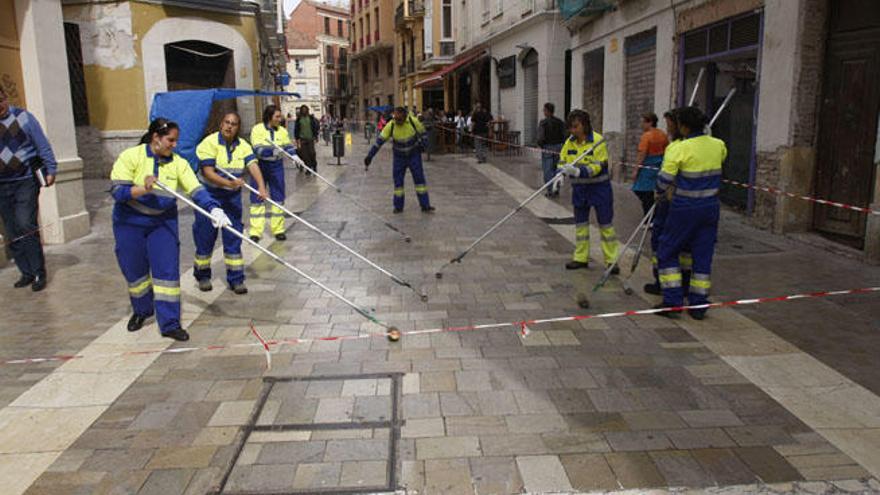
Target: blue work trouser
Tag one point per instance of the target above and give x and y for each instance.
(18, 207)
(273, 176)
(413, 162)
(685, 259)
(694, 228)
(601, 198)
(549, 160)
(149, 257)
(205, 236)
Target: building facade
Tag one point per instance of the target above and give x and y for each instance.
(510, 57)
(324, 29)
(121, 53)
(800, 80)
(304, 67)
(426, 44)
(373, 68)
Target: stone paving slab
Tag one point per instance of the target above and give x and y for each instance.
(636, 401)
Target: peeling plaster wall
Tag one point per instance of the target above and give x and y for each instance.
(106, 34)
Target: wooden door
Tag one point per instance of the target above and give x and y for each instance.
(849, 113)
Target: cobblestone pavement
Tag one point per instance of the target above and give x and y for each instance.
(720, 406)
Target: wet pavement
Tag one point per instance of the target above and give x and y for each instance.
(776, 398)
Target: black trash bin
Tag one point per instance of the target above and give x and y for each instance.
(338, 147)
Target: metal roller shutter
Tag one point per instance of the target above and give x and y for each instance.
(530, 98)
(641, 56)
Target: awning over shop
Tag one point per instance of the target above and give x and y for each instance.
(437, 76)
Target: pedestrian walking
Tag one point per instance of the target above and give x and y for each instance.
(305, 131)
(145, 225)
(264, 139)
(591, 189)
(226, 151)
(480, 129)
(461, 127)
(649, 158)
(692, 171)
(408, 140)
(551, 136)
(658, 222)
(25, 156)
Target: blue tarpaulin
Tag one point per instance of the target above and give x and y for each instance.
(191, 109)
(381, 109)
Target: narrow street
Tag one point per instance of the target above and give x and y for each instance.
(753, 399)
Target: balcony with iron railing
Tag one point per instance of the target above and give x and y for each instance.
(410, 66)
(402, 70)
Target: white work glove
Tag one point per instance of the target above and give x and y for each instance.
(571, 170)
(277, 154)
(298, 161)
(219, 218)
(557, 182)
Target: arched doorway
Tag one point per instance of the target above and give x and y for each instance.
(196, 64)
(530, 97)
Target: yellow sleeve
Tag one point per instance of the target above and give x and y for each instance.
(186, 178)
(723, 151)
(124, 168)
(601, 152)
(248, 152)
(563, 154)
(282, 137)
(259, 135)
(386, 131)
(672, 160)
(205, 151)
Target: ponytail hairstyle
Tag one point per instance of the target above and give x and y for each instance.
(268, 112)
(160, 126)
(582, 117)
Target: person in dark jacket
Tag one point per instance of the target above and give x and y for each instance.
(480, 128)
(305, 132)
(551, 135)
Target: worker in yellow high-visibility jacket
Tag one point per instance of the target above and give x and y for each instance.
(693, 168)
(264, 139)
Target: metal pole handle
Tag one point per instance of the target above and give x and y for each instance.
(298, 218)
(274, 256)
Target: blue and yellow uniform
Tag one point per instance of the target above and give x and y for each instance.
(658, 222)
(592, 189)
(694, 169)
(407, 145)
(234, 158)
(145, 229)
(272, 168)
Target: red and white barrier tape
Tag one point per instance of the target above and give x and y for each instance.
(521, 326)
(767, 189)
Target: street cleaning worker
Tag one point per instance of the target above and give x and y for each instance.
(272, 167)
(659, 219)
(227, 151)
(591, 189)
(145, 225)
(408, 136)
(693, 168)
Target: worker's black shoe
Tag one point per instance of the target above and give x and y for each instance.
(39, 283)
(24, 281)
(136, 322)
(576, 265)
(281, 237)
(653, 289)
(398, 210)
(697, 314)
(428, 209)
(177, 334)
(672, 315)
(205, 285)
(615, 270)
(255, 238)
(239, 289)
